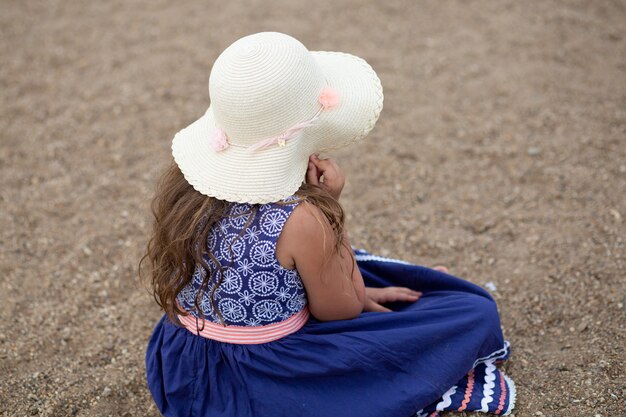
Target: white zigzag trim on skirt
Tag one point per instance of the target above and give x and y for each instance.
(495, 355)
(446, 399)
(490, 377)
(512, 392)
(492, 356)
(365, 258)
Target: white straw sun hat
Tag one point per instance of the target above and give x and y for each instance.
(274, 103)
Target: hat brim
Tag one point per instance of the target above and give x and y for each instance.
(241, 175)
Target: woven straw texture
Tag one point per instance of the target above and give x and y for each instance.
(259, 87)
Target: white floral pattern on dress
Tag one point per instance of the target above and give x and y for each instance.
(231, 283)
(232, 310)
(272, 222)
(232, 247)
(245, 297)
(187, 294)
(206, 306)
(285, 315)
(267, 309)
(283, 294)
(255, 289)
(252, 322)
(263, 253)
(198, 275)
(292, 278)
(245, 267)
(211, 240)
(222, 226)
(297, 303)
(252, 234)
(239, 215)
(263, 283)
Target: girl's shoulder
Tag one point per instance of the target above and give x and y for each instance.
(302, 230)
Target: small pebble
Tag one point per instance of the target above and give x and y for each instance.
(616, 215)
(66, 333)
(533, 151)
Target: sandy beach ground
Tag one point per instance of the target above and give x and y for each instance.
(501, 153)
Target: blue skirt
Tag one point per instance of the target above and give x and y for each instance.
(438, 353)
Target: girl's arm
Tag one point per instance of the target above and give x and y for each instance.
(332, 280)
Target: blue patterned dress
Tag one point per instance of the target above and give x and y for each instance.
(255, 290)
(264, 355)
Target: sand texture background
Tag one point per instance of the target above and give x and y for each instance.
(500, 153)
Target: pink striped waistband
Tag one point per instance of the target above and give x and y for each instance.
(246, 335)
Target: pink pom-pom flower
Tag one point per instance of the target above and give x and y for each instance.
(328, 98)
(218, 140)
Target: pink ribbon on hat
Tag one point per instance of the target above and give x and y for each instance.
(281, 139)
(218, 140)
(328, 98)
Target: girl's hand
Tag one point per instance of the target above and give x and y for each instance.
(374, 297)
(333, 180)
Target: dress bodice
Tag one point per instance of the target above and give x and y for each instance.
(255, 289)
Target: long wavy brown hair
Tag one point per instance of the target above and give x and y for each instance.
(183, 218)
